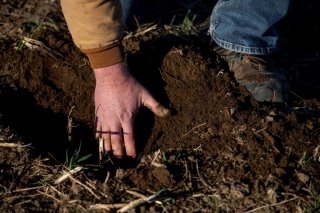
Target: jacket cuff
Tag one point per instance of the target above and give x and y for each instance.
(104, 56)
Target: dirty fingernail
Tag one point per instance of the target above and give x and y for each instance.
(162, 111)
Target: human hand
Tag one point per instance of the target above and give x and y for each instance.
(118, 97)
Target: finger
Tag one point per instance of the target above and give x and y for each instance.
(154, 105)
(116, 141)
(98, 128)
(107, 144)
(129, 139)
(105, 134)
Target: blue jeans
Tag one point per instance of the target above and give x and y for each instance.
(126, 5)
(247, 26)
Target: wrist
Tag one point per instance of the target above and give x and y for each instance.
(114, 74)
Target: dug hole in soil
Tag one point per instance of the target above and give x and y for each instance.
(219, 151)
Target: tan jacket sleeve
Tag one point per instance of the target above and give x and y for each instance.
(96, 27)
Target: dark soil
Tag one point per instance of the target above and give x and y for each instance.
(220, 150)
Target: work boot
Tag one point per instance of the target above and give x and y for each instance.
(258, 74)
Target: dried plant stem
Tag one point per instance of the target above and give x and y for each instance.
(13, 145)
(70, 125)
(271, 140)
(25, 189)
(271, 205)
(50, 196)
(101, 149)
(22, 196)
(107, 178)
(107, 207)
(154, 163)
(138, 202)
(141, 31)
(39, 46)
(136, 194)
(86, 187)
(68, 174)
(202, 180)
(200, 125)
(58, 192)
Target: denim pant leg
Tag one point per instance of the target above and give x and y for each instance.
(126, 6)
(247, 26)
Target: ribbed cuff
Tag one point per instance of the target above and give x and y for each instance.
(105, 56)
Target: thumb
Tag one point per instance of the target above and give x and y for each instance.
(149, 101)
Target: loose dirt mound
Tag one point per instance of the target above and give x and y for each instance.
(219, 151)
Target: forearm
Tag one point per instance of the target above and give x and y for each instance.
(96, 27)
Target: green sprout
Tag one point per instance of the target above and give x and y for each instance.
(187, 23)
(305, 159)
(30, 28)
(235, 164)
(164, 157)
(75, 159)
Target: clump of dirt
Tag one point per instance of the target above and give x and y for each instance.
(219, 151)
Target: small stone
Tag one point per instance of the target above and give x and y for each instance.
(239, 140)
(299, 209)
(163, 176)
(280, 171)
(240, 157)
(210, 131)
(303, 177)
(235, 193)
(120, 174)
(191, 158)
(269, 119)
(310, 125)
(272, 196)
(283, 162)
(272, 113)
(316, 154)
(232, 111)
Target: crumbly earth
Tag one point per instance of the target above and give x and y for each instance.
(220, 151)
